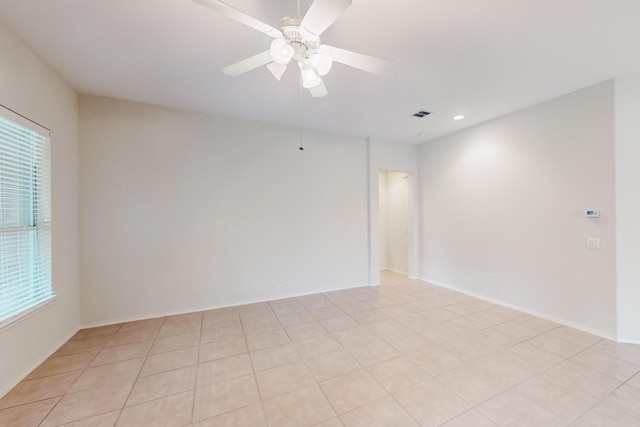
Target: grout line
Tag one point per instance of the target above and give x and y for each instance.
(124, 405)
(50, 410)
(255, 380)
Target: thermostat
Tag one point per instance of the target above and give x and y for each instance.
(594, 213)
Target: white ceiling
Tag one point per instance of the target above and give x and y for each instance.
(479, 58)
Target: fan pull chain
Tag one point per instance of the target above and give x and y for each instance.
(301, 148)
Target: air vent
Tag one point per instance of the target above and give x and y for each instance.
(421, 113)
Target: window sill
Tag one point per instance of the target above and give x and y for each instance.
(17, 318)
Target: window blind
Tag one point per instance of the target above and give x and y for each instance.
(25, 225)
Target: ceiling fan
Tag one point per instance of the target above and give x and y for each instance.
(299, 39)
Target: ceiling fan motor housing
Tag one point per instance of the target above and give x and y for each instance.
(304, 42)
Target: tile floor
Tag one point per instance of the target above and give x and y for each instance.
(405, 354)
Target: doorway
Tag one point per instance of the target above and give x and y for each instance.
(395, 228)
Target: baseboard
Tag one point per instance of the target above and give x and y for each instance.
(198, 309)
(8, 388)
(532, 312)
(628, 341)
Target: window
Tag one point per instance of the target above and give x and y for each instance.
(25, 226)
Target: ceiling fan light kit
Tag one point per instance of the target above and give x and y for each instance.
(310, 77)
(322, 60)
(299, 40)
(281, 51)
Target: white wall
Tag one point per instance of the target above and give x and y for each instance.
(31, 88)
(503, 204)
(182, 211)
(385, 155)
(627, 130)
(395, 221)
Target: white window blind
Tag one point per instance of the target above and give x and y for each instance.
(25, 226)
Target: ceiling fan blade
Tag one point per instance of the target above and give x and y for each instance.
(277, 69)
(248, 64)
(322, 14)
(370, 64)
(319, 91)
(241, 17)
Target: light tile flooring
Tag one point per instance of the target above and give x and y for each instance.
(405, 354)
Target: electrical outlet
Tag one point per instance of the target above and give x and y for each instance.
(593, 242)
(280, 287)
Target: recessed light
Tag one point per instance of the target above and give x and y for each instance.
(458, 118)
(422, 134)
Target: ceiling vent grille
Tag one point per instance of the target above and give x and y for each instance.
(421, 113)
